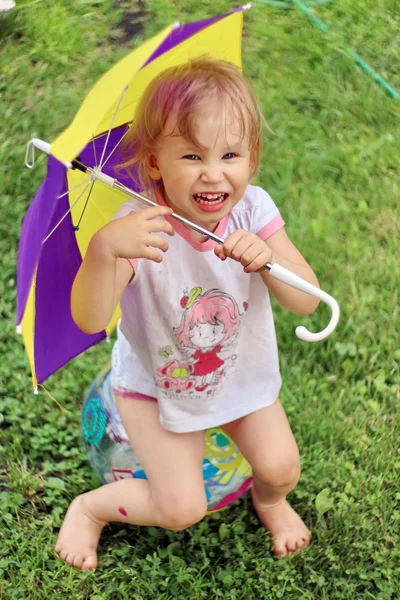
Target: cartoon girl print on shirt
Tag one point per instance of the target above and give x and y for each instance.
(209, 326)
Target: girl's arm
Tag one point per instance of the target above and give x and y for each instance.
(105, 270)
(98, 287)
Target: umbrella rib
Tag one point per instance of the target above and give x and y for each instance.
(74, 188)
(94, 150)
(112, 123)
(66, 214)
(115, 147)
(84, 208)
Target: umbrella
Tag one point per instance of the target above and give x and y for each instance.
(75, 199)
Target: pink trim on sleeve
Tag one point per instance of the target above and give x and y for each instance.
(271, 227)
(134, 262)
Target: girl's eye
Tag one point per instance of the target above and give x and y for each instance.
(230, 155)
(192, 157)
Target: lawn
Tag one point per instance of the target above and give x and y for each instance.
(331, 165)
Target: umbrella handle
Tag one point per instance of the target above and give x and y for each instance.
(297, 282)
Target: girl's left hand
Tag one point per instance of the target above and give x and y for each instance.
(247, 248)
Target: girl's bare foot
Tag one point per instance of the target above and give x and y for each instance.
(288, 531)
(79, 536)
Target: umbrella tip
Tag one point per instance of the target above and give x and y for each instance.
(18, 330)
(246, 6)
(176, 25)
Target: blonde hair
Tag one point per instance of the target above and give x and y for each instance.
(183, 89)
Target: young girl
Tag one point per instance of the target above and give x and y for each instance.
(196, 345)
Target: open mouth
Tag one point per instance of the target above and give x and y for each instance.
(210, 202)
(210, 199)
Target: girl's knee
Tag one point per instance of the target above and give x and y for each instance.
(281, 473)
(180, 512)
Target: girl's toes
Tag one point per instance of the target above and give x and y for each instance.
(89, 564)
(70, 559)
(291, 545)
(77, 562)
(280, 548)
(63, 554)
(66, 558)
(304, 542)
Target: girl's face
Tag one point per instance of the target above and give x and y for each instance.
(207, 335)
(203, 182)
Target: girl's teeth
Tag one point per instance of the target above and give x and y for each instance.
(209, 198)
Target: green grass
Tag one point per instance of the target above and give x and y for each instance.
(332, 167)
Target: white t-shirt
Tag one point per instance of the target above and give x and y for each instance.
(198, 333)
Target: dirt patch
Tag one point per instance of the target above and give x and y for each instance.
(132, 22)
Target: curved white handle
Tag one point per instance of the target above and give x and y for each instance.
(297, 282)
(41, 145)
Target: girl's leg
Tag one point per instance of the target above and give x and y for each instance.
(172, 497)
(266, 440)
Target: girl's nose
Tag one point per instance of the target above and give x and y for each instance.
(212, 174)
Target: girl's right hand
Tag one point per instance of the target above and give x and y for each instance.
(133, 236)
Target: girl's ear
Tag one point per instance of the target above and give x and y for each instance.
(152, 167)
